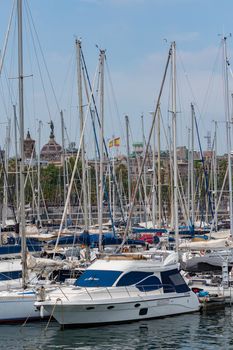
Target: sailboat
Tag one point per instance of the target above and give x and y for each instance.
(215, 254)
(18, 304)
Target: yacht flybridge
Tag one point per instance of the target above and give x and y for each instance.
(122, 288)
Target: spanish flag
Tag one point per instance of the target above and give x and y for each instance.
(117, 141)
(114, 142)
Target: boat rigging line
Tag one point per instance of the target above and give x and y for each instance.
(131, 205)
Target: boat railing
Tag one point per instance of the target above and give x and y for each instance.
(122, 291)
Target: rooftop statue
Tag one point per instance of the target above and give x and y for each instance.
(52, 130)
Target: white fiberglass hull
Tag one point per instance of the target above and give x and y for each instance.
(114, 311)
(18, 306)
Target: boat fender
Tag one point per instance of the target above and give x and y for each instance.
(42, 311)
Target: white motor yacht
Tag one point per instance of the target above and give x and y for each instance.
(122, 288)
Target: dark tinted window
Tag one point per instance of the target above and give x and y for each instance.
(97, 278)
(177, 279)
(133, 277)
(173, 279)
(148, 284)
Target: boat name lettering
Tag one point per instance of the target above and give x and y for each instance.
(91, 279)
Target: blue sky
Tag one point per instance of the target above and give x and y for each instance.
(133, 33)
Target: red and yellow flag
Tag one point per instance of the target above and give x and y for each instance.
(117, 141)
(114, 142)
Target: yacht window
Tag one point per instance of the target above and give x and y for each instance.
(148, 284)
(132, 277)
(173, 279)
(97, 278)
(177, 279)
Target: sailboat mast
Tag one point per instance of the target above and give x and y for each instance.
(159, 170)
(113, 188)
(21, 136)
(63, 163)
(128, 158)
(92, 111)
(144, 171)
(228, 130)
(101, 147)
(192, 163)
(189, 173)
(5, 188)
(175, 186)
(16, 165)
(171, 177)
(38, 173)
(153, 181)
(89, 189)
(144, 159)
(215, 177)
(80, 100)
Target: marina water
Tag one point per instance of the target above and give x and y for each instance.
(207, 330)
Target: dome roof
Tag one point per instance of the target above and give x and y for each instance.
(51, 151)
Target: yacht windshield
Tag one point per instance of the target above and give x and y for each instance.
(97, 278)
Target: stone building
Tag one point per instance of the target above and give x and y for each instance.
(29, 147)
(182, 153)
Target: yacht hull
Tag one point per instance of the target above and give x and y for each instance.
(121, 311)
